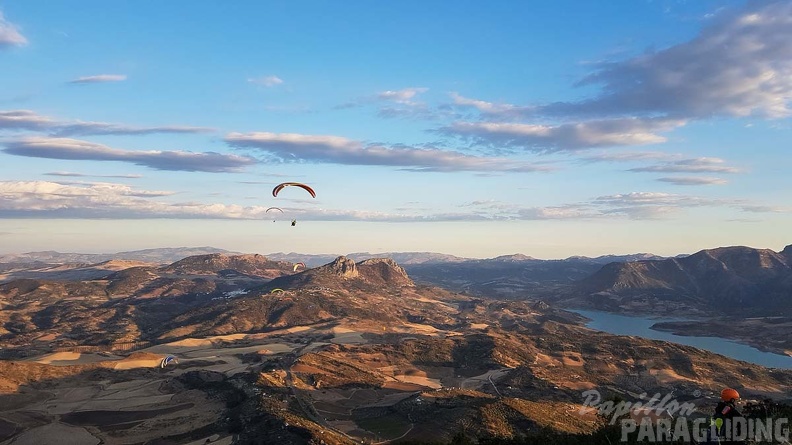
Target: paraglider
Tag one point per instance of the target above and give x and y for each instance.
(277, 290)
(297, 266)
(167, 360)
(280, 187)
(274, 208)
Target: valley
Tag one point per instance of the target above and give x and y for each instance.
(341, 353)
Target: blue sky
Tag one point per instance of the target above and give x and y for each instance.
(547, 128)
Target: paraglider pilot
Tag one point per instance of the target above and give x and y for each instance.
(724, 417)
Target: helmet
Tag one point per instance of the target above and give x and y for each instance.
(728, 394)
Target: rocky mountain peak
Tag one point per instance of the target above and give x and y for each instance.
(385, 271)
(343, 267)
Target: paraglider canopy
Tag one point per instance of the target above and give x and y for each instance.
(167, 360)
(280, 187)
(297, 266)
(273, 208)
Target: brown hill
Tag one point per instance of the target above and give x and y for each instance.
(255, 265)
(375, 290)
(344, 272)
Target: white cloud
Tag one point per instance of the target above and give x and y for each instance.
(691, 165)
(29, 120)
(267, 81)
(490, 108)
(692, 180)
(24, 120)
(73, 149)
(104, 128)
(400, 103)
(558, 212)
(100, 78)
(82, 175)
(340, 150)
(9, 34)
(652, 198)
(652, 205)
(403, 96)
(629, 156)
(40, 199)
(570, 136)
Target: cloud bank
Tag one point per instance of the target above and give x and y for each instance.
(73, 149)
(339, 150)
(44, 199)
(32, 121)
(739, 65)
(564, 137)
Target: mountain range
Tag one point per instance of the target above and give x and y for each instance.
(345, 352)
(169, 255)
(728, 280)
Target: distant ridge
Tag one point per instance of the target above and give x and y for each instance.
(165, 255)
(406, 258)
(604, 259)
(735, 279)
(172, 254)
(416, 258)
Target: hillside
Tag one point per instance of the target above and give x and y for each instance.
(727, 281)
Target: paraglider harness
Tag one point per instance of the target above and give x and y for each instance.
(294, 222)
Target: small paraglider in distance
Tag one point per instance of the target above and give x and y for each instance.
(168, 359)
(274, 208)
(297, 266)
(280, 187)
(294, 222)
(273, 291)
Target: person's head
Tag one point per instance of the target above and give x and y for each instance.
(730, 395)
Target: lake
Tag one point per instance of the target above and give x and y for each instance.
(641, 327)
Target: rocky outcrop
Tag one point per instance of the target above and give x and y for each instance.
(251, 264)
(384, 271)
(342, 267)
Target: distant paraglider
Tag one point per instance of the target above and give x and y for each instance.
(274, 208)
(280, 187)
(167, 360)
(277, 290)
(297, 266)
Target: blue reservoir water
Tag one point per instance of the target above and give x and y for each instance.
(641, 327)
